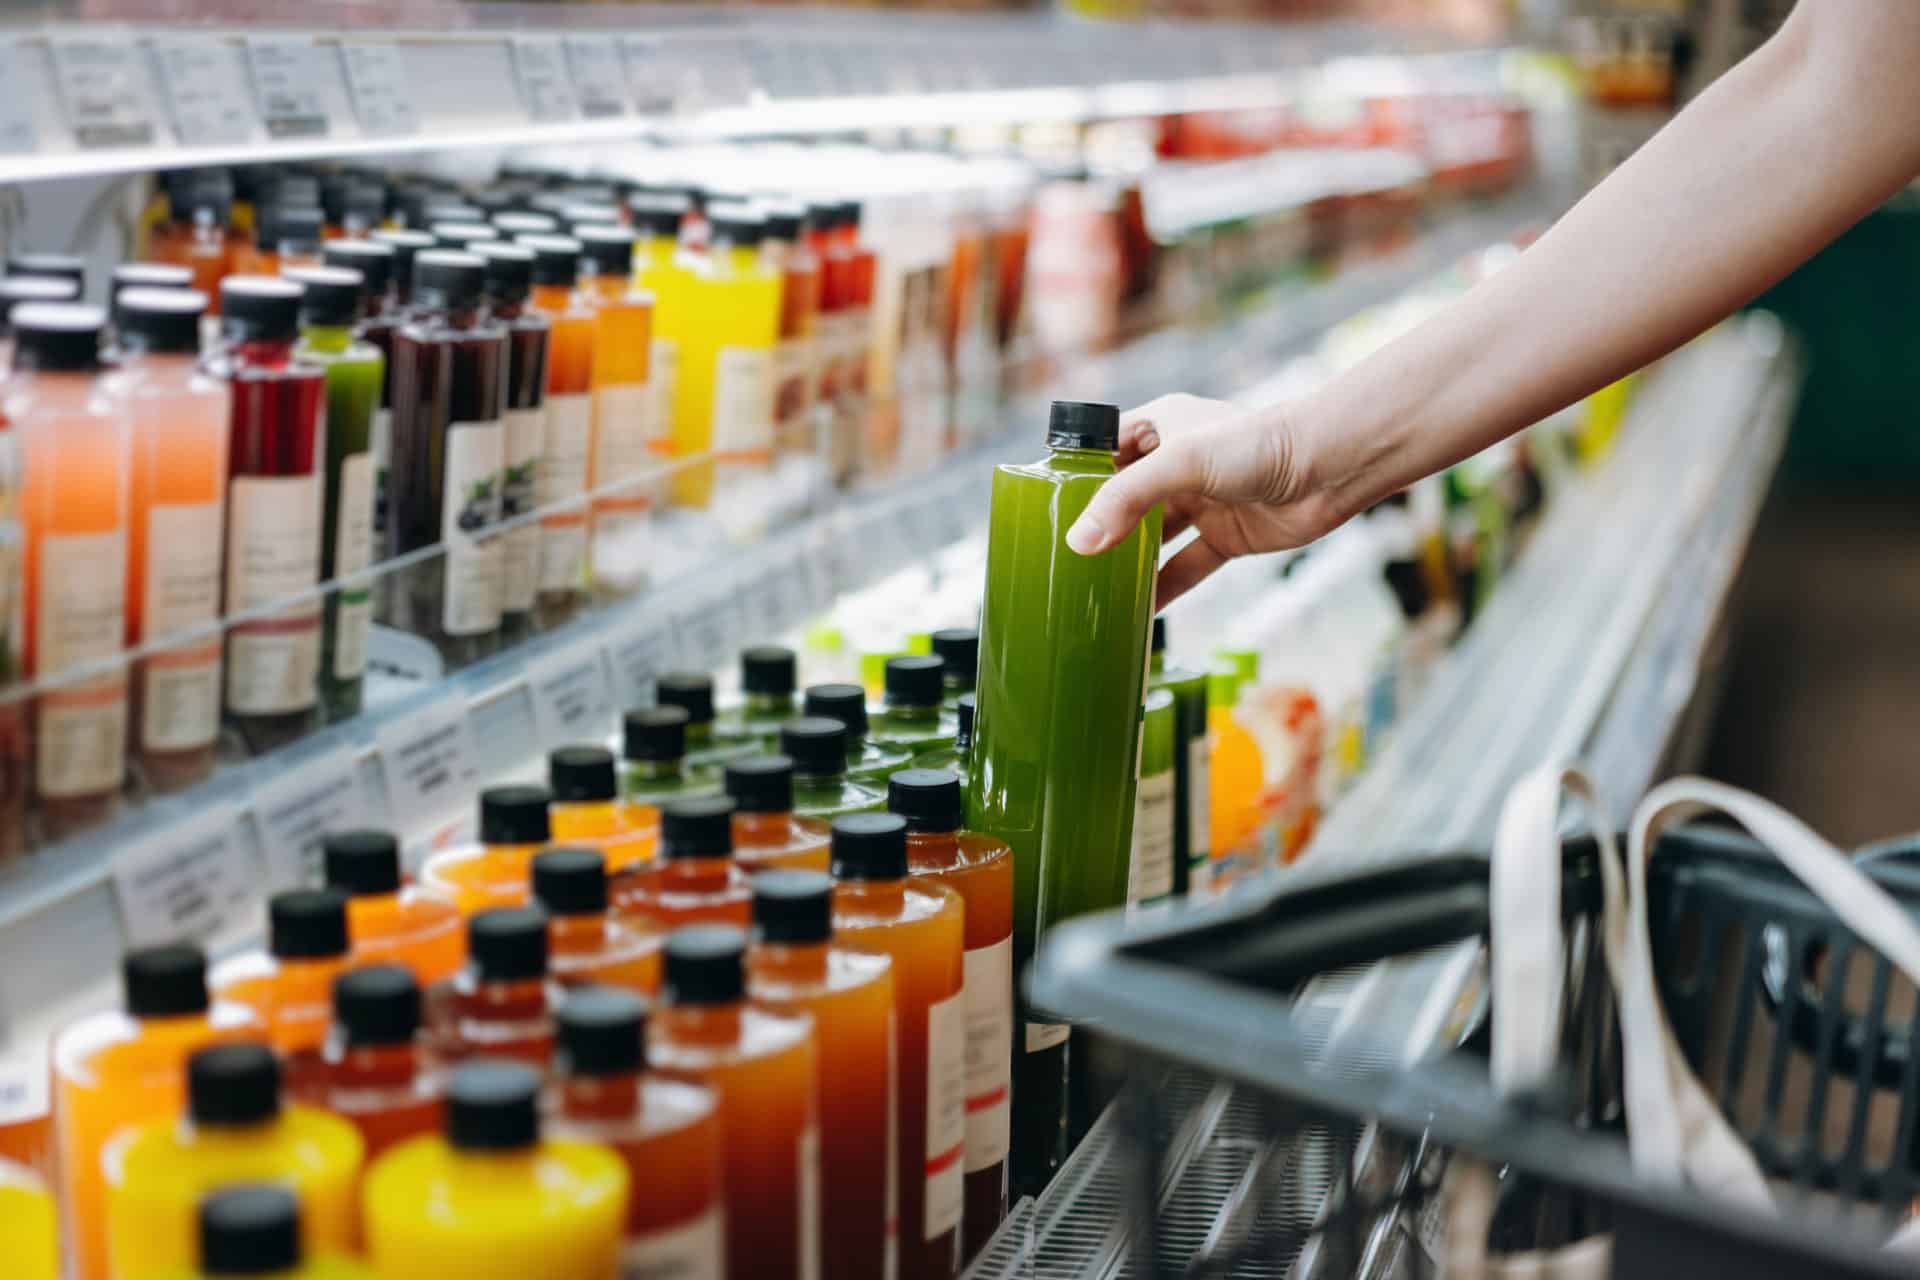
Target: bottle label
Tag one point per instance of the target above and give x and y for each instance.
(273, 552)
(520, 552)
(470, 507)
(809, 1237)
(1199, 806)
(379, 433)
(859, 321)
(793, 389)
(180, 688)
(560, 475)
(743, 385)
(946, 1113)
(180, 698)
(663, 375)
(1041, 1036)
(82, 619)
(989, 993)
(1150, 872)
(623, 432)
(352, 553)
(692, 1251)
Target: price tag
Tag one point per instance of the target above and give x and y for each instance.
(382, 97)
(206, 90)
(191, 882)
(16, 113)
(289, 82)
(428, 759)
(103, 85)
(599, 79)
(296, 807)
(572, 701)
(638, 660)
(649, 75)
(542, 73)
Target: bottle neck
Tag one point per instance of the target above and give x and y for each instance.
(704, 1024)
(697, 875)
(263, 351)
(614, 1097)
(913, 712)
(769, 704)
(509, 310)
(762, 828)
(795, 962)
(654, 770)
(552, 297)
(376, 1064)
(933, 850)
(802, 778)
(880, 897)
(330, 338)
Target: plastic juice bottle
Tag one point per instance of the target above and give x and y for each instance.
(1151, 860)
(795, 378)
(695, 880)
(29, 1227)
(656, 218)
(180, 419)
(289, 986)
(850, 997)
(502, 1004)
(1235, 775)
(1192, 778)
(560, 478)
(653, 757)
(821, 788)
(922, 925)
(378, 1075)
(624, 426)
(208, 247)
(492, 1200)
(862, 274)
(1063, 647)
(724, 403)
(388, 922)
(767, 679)
(867, 760)
(235, 1130)
(959, 649)
(913, 717)
(980, 869)
(586, 944)
(255, 1230)
(762, 1067)
(275, 500)
(667, 1132)
(955, 755)
(586, 808)
(833, 340)
(707, 741)
(513, 827)
(509, 283)
(766, 835)
(385, 258)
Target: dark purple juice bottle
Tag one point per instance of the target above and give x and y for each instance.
(509, 281)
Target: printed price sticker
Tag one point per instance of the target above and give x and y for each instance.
(192, 882)
(103, 85)
(542, 72)
(16, 113)
(428, 758)
(599, 81)
(649, 75)
(638, 660)
(572, 701)
(206, 90)
(382, 97)
(296, 807)
(289, 80)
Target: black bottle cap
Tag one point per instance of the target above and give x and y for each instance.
(658, 213)
(515, 223)
(963, 709)
(705, 964)
(590, 213)
(165, 982)
(331, 294)
(851, 212)
(508, 944)
(212, 194)
(769, 669)
(696, 827)
(63, 265)
(233, 1084)
(361, 863)
(252, 1229)
(959, 648)
(1158, 644)
(462, 235)
(917, 680)
(59, 337)
(16, 291)
(448, 279)
(736, 222)
(509, 271)
(846, 703)
(688, 690)
(929, 799)
(581, 774)
(556, 259)
(817, 745)
(159, 321)
(515, 814)
(1082, 424)
(150, 275)
(406, 246)
(793, 906)
(609, 249)
(603, 1032)
(259, 309)
(298, 225)
(439, 208)
(655, 733)
(344, 198)
(307, 924)
(372, 259)
(379, 1004)
(761, 784)
(786, 222)
(870, 846)
(571, 882)
(493, 1105)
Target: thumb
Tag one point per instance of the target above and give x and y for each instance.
(1173, 468)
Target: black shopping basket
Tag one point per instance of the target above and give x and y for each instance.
(1806, 1039)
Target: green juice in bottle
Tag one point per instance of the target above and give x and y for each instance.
(822, 788)
(1192, 755)
(956, 755)
(1063, 663)
(913, 717)
(867, 760)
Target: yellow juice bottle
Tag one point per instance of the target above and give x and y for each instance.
(656, 217)
(724, 401)
(587, 808)
(254, 1229)
(29, 1232)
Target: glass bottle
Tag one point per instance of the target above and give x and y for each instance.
(560, 481)
(695, 880)
(502, 1004)
(821, 787)
(289, 985)
(656, 218)
(1151, 856)
(208, 252)
(378, 1075)
(953, 757)
(284, 236)
(724, 403)
(767, 681)
(959, 649)
(913, 717)
(795, 376)
(834, 340)
(1192, 755)
(509, 283)
(377, 262)
(588, 945)
(766, 834)
(351, 207)
(587, 808)
(407, 247)
(514, 825)
(867, 760)
(653, 757)
(624, 424)
(707, 741)
(254, 1229)
(389, 922)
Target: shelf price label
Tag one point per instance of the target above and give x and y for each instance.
(382, 96)
(296, 807)
(289, 83)
(649, 74)
(572, 701)
(206, 90)
(638, 659)
(190, 882)
(541, 69)
(103, 86)
(428, 758)
(599, 79)
(16, 114)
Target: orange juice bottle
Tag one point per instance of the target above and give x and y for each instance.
(792, 969)
(980, 869)
(922, 925)
(667, 1132)
(29, 1226)
(587, 808)
(789, 235)
(289, 986)
(502, 1004)
(388, 922)
(114, 1071)
(1235, 785)
(585, 943)
(561, 474)
(235, 1130)
(695, 880)
(761, 1066)
(765, 832)
(254, 1229)
(494, 873)
(378, 1075)
(624, 425)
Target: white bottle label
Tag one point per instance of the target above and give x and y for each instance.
(1199, 807)
(1150, 872)
(946, 1113)
(623, 431)
(560, 475)
(743, 383)
(180, 688)
(663, 375)
(82, 619)
(180, 698)
(476, 459)
(809, 1239)
(520, 552)
(273, 552)
(1041, 1036)
(691, 1251)
(352, 553)
(989, 994)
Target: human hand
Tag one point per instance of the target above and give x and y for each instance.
(1237, 476)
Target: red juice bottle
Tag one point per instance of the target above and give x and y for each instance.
(509, 284)
(695, 880)
(502, 1004)
(376, 1072)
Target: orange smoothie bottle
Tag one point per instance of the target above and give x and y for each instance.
(761, 1066)
(388, 922)
(560, 475)
(587, 945)
(117, 1070)
(502, 1004)
(695, 880)
(792, 969)
(289, 986)
(668, 1132)
(377, 1074)
(625, 413)
(765, 832)
(495, 872)
(587, 808)
(922, 925)
(980, 869)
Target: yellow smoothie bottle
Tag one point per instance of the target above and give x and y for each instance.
(254, 1229)
(587, 808)
(655, 219)
(29, 1232)
(724, 400)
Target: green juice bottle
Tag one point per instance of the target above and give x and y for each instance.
(1192, 755)
(653, 751)
(817, 745)
(768, 676)
(709, 745)
(867, 760)
(1056, 740)
(356, 371)
(912, 718)
(954, 757)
